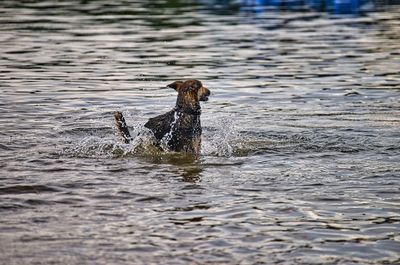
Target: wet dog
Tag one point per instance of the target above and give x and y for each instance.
(178, 130)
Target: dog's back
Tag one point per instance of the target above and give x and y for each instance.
(161, 125)
(177, 131)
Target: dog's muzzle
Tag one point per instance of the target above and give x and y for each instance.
(203, 94)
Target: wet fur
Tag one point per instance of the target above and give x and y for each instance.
(178, 130)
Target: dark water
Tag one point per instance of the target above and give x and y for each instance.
(301, 144)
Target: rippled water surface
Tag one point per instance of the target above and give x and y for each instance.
(300, 159)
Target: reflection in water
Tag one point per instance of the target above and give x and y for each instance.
(189, 167)
(332, 6)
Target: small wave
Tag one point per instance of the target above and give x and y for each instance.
(22, 189)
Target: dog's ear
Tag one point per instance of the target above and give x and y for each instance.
(175, 85)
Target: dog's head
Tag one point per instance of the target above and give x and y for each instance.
(190, 92)
(202, 93)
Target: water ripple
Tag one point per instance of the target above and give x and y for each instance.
(300, 150)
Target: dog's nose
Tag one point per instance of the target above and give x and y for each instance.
(204, 93)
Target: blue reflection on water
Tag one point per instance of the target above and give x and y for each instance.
(352, 7)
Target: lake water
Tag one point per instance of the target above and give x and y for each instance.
(300, 159)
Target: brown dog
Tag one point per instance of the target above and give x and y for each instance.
(178, 130)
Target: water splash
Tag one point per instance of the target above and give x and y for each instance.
(168, 136)
(94, 146)
(220, 138)
(104, 142)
